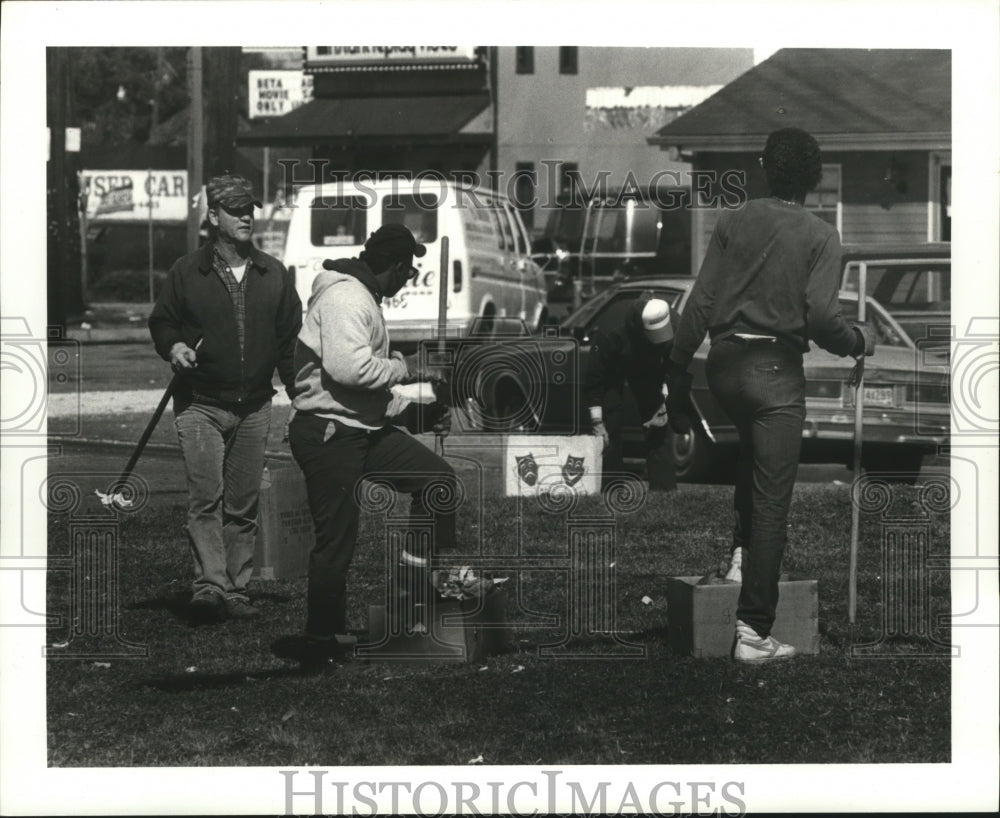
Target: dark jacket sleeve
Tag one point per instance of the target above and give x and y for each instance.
(697, 314)
(165, 317)
(603, 365)
(824, 322)
(289, 322)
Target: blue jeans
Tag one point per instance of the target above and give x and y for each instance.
(224, 460)
(761, 386)
(335, 458)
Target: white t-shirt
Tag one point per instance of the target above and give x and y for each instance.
(239, 271)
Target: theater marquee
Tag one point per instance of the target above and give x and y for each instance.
(329, 56)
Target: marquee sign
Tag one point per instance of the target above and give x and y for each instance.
(345, 55)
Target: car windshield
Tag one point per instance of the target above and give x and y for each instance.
(338, 221)
(611, 304)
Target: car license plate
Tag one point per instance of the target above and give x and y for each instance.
(874, 396)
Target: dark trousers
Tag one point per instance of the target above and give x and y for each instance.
(661, 471)
(334, 459)
(761, 386)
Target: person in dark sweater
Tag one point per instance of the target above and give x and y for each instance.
(227, 317)
(767, 286)
(634, 351)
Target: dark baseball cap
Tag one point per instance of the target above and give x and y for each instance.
(230, 191)
(396, 242)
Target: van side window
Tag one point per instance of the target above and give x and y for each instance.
(519, 246)
(338, 221)
(505, 240)
(417, 212)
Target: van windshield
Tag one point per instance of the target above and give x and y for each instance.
(417, 212)
(338, 221)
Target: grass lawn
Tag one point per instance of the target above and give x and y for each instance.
(217, 696)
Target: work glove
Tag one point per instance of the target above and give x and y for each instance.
(678, 405)
(429, 417)
(864, 343)
(658, 420)
(598, 428)
(421, 371)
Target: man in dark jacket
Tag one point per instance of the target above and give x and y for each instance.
(768, 284)
(635, 350)
(227, 317)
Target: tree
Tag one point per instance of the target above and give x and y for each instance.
(121, 94)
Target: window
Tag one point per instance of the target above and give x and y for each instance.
(418, 213)
(939, 198)
(524, 192)
(568, 58)
(338, 222)
(524, 59)
(503, 225)
(569, 181)
(824, 201)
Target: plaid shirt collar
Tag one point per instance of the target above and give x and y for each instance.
(209, 250)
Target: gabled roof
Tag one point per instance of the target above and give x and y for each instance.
(847, 98)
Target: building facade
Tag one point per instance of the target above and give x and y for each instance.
(883, 121)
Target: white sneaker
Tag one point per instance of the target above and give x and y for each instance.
(735, 572)
(754, 649)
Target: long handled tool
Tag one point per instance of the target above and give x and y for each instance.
(114, 496)
(859, 409)
(439, 436)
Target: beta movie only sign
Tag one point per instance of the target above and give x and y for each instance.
(275, 93)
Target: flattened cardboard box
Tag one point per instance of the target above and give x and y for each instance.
(285, 532)
(534, 464)
(702, 618)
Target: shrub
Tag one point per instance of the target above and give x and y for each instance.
(126, 285)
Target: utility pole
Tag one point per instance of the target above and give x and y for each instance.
(65, 294)
(58, 79)
(195, 145)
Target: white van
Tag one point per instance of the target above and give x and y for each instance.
(490, 271)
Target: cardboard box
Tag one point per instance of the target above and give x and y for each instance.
(542, 463)
(285, 532)
(702, 618)
(467, 630)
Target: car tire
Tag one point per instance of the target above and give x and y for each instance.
(696, 458)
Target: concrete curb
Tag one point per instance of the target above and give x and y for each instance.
(155, 448)
(110, 335)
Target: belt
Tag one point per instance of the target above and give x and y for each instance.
(756, 339)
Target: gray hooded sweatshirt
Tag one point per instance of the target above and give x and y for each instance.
(343, 368)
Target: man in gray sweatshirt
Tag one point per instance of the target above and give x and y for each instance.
(343, 428)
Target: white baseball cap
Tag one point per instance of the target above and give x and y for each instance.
(656, 321)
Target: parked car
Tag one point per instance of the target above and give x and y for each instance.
(913, 283)
(906, 406)
(588, 245)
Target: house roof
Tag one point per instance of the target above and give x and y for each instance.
(326, 120)
(846, 98)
